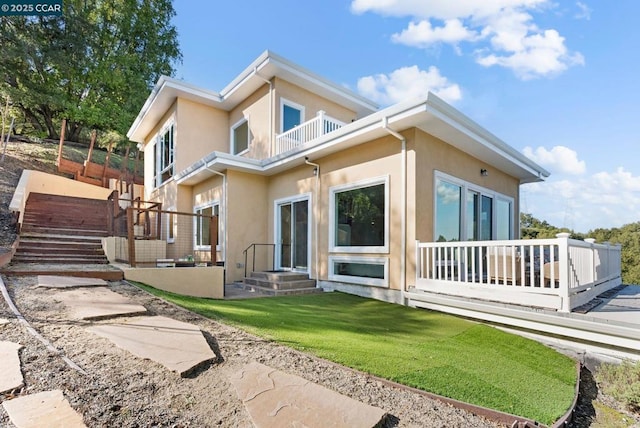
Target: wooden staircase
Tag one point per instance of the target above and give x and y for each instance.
(63, 230)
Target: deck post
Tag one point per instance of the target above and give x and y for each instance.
(213, 238)
(131, 238)
(563, 271)
(63, 128)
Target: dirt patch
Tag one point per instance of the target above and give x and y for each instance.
(123, 390)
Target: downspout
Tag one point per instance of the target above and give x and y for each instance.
(403, 223)
(317, 208)
(224, 211)
(271, 125)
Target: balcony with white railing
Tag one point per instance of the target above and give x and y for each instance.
(306, 132)
(559, 274)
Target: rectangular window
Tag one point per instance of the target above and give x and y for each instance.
(448, 211)
(291, 115)
(202, 226)
(503, 219)
(360, 270)
(485, 215)
(240, 137)
(171, 219)
(360, 218)
(164, 155)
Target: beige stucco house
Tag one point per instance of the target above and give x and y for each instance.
(338, 188)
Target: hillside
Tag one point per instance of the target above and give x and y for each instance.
(41, 156)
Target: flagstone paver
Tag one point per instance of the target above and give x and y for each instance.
(53, 281)
(45, 409)
(10, 373)
(276, 399)
(177, 345)
(96, 303)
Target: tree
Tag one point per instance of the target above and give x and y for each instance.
(628, 236)
(94, 65)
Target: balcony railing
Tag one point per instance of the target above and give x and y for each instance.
(306, 132)
(559, 274)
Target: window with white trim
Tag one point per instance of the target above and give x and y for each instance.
(291, 115)
(359, 222)
(467, 212)
(164, 155)
(171, 221)
(201, 224)
(240, 137)
(372, 271)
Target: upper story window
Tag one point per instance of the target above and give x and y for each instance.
(164, 155)
(291, 115)
(360, 217)
(240, 137)
(465, 212)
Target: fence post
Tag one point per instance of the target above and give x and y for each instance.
(213, 238)
(563, 259)
(131, 238)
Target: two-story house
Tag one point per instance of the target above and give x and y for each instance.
(342, 191)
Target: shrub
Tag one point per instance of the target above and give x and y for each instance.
(621, 382)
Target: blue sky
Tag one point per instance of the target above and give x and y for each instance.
(557, 80)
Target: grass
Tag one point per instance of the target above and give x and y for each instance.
(435, 352)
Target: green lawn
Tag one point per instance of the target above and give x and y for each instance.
(435, 352)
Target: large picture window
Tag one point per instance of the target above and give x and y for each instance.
(360, 219)
(484, 215)
(202, 231)
(164, 155)
(240, 137)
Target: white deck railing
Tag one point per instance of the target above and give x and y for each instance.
(307, 131)
(559, 273)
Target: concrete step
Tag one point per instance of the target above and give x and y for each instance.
(264, 291)
(279, 276)
(281, 285)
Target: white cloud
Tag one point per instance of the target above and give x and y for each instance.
(601, 200)
(423, 35)
(503, 31)
(584, 11)
(406, 83)
(559, 159)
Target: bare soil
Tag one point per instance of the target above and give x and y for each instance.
(122, 390)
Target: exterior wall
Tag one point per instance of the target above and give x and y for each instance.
(375, 159)
(289, 185)
(199, 131)
(256, 110)
(246, 219)
(433, 155)
(190, 281)
(205, 193)
(312, 104)
(149, 150)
